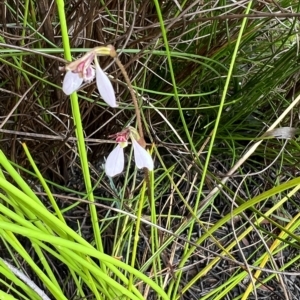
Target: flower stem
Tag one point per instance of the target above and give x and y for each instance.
(142, 142)
(113, 54)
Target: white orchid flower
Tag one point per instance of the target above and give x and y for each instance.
(81, 70)
(115, 161)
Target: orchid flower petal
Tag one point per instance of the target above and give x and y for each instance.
(115, 162)
(142, 158)
(71, 83)
(105, 87)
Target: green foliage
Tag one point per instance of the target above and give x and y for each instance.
(210, 82)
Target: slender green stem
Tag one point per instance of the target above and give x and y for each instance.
(137, 233)
(79, 130)
(170, 64)
(212, 141)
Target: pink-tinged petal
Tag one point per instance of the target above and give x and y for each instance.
(71, 83)
(115, 162)
(105, 87)
(142, 158)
